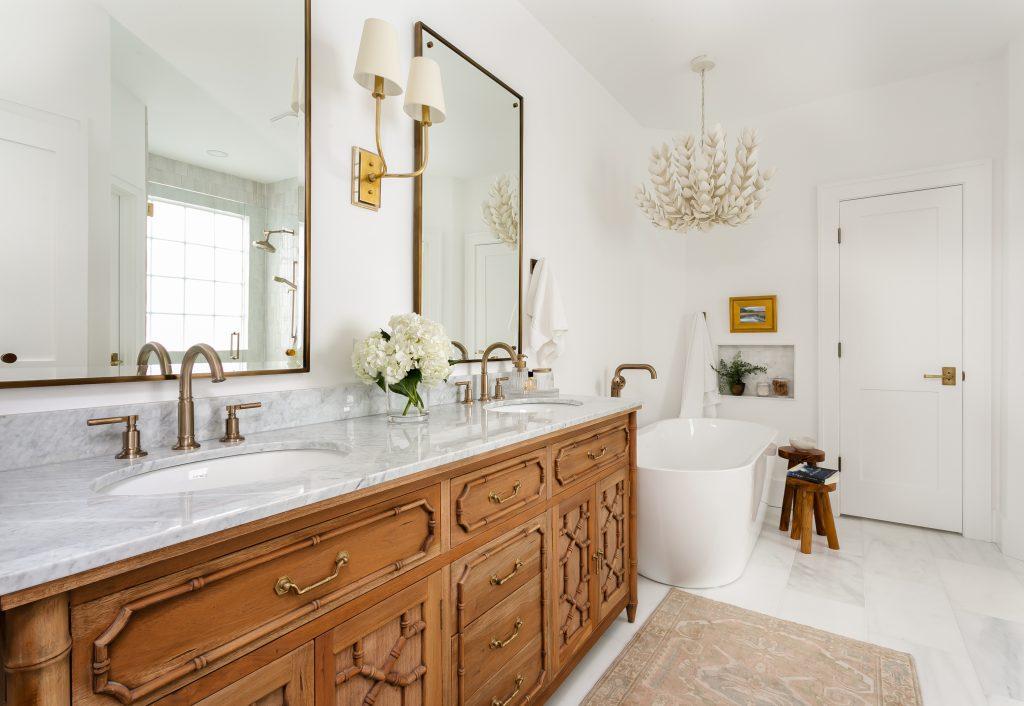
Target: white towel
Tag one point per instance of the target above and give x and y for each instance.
(545, 313)
(700, 382)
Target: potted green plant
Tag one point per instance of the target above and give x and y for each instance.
(734, 371)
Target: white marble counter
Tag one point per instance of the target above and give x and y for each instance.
(55, 521)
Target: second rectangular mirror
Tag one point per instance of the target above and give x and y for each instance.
(467, 221)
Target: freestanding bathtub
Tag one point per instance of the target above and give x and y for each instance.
(702, 492)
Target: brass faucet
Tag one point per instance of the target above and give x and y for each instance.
(619, 382)
(186, 408)
(520, 363)
(462, 350)
(162, 357)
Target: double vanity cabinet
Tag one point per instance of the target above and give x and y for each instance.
(481, 581)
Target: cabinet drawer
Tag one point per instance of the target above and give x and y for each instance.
(155, 636)
(579, 458)
(487, 576)
(499, 635)
(516, 681)
(489, 495)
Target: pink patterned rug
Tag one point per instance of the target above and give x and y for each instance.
(694, 650)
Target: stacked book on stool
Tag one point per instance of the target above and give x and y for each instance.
(806, 496)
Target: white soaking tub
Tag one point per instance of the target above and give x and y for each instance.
(702, 492)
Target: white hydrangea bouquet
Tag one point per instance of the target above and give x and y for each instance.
(414, 352)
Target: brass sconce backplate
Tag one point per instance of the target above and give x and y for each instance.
(365, 193)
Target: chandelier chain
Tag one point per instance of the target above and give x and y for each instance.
(703, 132)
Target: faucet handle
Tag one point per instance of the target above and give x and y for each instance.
(131, 441)
(467, 391)
(232, 432)
(499, 392)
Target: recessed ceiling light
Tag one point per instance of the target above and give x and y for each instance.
(217, 153)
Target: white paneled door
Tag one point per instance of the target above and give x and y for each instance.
(44, 243)
(901, 325)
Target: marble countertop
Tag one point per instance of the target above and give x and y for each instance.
(56, 521)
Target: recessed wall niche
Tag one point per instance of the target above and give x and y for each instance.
(780, 361)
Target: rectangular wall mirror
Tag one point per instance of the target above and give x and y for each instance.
(154, 172)
(467, 223)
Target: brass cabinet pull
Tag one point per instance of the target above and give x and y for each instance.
(494, 497)
(594, 456)
(599, 555)
(495, 581)
(519, 685)
(497, 644)
(285, 584)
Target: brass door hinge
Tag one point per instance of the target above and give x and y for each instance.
(840, 463)
(839, 349)
(839, 235)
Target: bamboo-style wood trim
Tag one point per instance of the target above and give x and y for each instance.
(619, 518)
(634, 593)
(36, 644)
(570, 448)
(102, 684)
(468, 488)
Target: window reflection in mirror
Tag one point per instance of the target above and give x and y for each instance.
(153, 168)
(470, 237)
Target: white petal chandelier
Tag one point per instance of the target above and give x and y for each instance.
(692, 186)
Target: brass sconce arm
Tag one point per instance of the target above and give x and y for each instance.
(383, 172)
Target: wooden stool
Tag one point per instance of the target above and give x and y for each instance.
(803, 499)
(811, 500)
(795, 457)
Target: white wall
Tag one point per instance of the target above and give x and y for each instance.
(945, 118)
(583, 155)
(1010, 389)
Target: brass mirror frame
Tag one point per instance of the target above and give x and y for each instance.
(417, 190)
(306, 276)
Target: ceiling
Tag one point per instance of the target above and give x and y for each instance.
(770, 54)
(211, 76)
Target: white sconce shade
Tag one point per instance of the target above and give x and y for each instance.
(425, 90)
(378, 56)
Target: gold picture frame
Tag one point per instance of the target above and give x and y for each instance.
(753, 314)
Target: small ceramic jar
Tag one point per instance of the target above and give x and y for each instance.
(764, 389)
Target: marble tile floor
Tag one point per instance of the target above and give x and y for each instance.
(955, 604)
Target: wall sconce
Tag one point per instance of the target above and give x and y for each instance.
(377, 71)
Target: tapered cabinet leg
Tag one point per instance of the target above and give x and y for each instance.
(37, 652)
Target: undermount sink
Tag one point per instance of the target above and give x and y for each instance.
(288, 465)
(535, 406)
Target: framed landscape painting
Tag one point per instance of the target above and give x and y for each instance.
(753, 314)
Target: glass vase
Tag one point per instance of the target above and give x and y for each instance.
(401, 410)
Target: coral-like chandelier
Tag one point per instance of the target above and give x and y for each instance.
(693, 188)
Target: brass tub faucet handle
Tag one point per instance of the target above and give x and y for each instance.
(232, 433)
(131, 441)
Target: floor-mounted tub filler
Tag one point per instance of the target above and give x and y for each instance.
(702, 489)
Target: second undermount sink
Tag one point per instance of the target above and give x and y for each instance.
(534, 406)
(224, 472)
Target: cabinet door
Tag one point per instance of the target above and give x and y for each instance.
(388, 655)
(611, 558)
(573, 522)
(287, 681)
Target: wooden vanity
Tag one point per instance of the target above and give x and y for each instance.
(479, 582)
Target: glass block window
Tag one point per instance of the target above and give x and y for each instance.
(197, 266)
